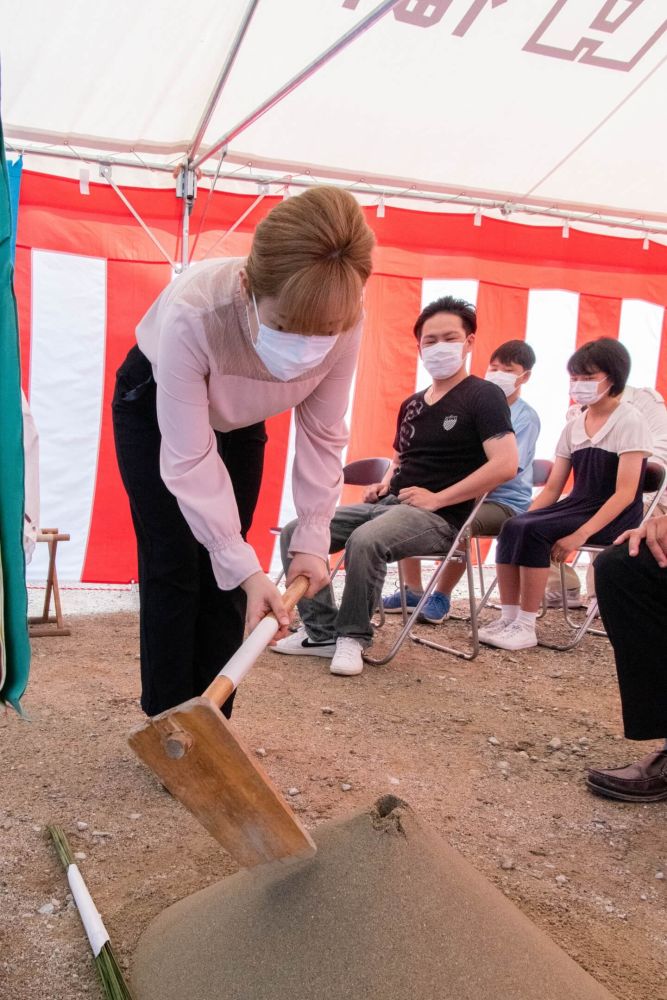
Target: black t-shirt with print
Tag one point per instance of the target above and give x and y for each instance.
(440, 445)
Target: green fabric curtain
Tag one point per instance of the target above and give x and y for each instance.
(14, 618)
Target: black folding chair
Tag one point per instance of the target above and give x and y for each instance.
(458, 552)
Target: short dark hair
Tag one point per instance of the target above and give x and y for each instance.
(603, 355)
(515, 352)
(448, 304)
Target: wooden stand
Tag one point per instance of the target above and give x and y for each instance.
(46, 623)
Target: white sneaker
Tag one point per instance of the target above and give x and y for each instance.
(347, 659)
(298, 644)
(493, 628)
(516, 635)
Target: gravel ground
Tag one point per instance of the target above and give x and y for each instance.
(491, 753)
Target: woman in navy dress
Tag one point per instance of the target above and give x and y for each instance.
(606, 447)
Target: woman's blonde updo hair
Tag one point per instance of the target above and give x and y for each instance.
(313, 253)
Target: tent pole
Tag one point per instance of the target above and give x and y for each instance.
(212, 102)
(185, 237)
(341, 43)
(186, 188)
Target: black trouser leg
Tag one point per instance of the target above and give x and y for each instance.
(632, 594)
(221, 613)
(188, 626)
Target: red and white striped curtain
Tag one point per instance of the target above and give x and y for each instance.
(86, 273)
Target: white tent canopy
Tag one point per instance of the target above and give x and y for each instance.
(550, 105)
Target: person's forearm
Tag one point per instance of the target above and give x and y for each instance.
(614, 506)
(482, 480)
(544, 499)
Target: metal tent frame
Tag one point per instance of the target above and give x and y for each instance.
(267, 173)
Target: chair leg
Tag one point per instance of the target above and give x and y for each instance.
(563, 590)
(579, 632)
(407, 619)
(486, 595)
(472, 601)
(480, 566)
(401, 590)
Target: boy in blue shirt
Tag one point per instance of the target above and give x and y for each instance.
(509, 368)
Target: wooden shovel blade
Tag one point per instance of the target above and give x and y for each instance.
(196, 754)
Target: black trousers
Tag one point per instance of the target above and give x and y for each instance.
(188, 626)
(632, 593)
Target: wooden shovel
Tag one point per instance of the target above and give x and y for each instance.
(198, 756)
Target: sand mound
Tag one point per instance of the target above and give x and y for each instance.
(385, 911)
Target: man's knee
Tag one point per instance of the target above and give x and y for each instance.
(365, 540)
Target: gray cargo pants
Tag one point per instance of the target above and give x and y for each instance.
(372, 535)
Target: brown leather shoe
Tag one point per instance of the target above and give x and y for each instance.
(645, 781)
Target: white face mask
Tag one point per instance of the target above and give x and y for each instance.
(442, 360)
(287, 355)
(587, 393)
(504, 380)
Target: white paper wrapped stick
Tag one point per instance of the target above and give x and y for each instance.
(92, 922)
(108, 969)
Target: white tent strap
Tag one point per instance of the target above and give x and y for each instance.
(105, 171)
(359, 29)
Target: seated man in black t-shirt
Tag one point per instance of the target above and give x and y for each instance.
(454, 441)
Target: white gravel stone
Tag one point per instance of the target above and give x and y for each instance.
(293, 791)
(494, 741)
(47, 909)
(660, 875)
(80, 855)
(260, 751)
(345, 787)
(554, 744)
(562, 879)
(135, 816)
(80, 825)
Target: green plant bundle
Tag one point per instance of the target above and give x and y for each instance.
(111, 977)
